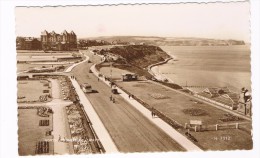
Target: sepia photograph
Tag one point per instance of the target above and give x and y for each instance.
(133, 78)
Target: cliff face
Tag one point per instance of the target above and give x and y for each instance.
(140, 55)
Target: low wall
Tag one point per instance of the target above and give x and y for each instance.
(156, 64)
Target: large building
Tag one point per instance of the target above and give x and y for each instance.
(54, 41)
(28, 43)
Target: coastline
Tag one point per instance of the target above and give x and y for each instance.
(184, 94)
(197, 67)
(158, 75)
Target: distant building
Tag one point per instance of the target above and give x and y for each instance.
(28, 43)
(88, 43)
(54, 41)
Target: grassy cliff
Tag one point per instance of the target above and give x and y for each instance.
(136, 58)
(140, 55)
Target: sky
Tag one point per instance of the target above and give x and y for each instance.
(211, 20)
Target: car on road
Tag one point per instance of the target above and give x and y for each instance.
(86, 88)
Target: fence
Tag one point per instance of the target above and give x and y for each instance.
(216, 127)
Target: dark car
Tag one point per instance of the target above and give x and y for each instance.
(114, 91)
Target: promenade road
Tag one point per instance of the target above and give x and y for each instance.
(128, 128)
(174, 134)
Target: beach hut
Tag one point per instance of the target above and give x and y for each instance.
(129, 77)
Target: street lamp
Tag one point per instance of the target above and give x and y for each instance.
(111, 70)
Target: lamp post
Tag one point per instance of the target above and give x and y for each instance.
(93, 57)
(111, 70)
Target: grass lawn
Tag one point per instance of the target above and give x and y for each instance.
(176, 105)
(51, 57)
(229, 139)
(31, 90)
(24, 67)
(42, 54)
(29, 132)
(116, 73)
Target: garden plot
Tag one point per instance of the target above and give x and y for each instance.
(34, 138)
(158, 96)
(34, 91)
(27, 61)
(42, 57)
(30, 61)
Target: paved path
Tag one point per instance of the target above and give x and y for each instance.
(97, 124)
(179, 138)
(60, 128)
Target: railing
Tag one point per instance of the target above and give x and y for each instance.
(216, 127)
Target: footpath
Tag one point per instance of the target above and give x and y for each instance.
(59, 121)
(174, 134)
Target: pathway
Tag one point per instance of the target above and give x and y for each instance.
(60, 128)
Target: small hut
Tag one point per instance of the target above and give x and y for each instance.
(129, 77)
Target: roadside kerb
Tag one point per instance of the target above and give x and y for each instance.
(72, 66)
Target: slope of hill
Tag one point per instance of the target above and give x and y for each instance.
(140, 55)
(135, 58)
(170, 41)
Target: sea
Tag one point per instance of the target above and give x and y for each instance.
(208, 66)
